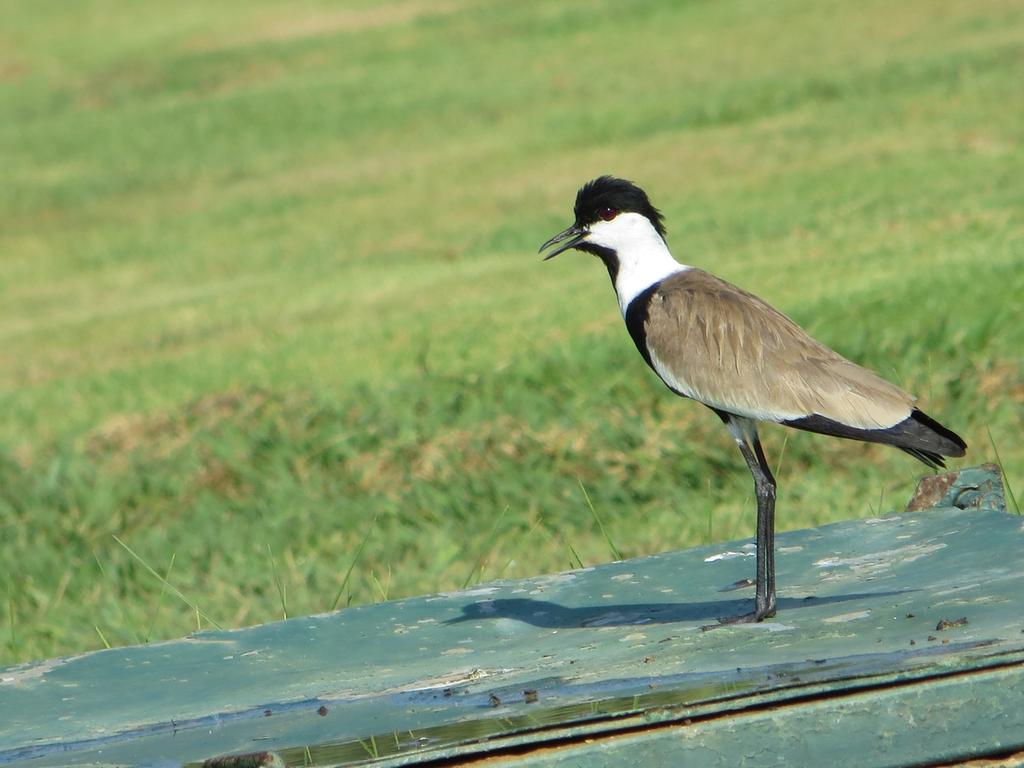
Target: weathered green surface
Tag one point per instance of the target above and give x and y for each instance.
(852, 668)
(959, 715)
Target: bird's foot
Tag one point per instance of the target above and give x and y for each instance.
(748, 618)
(745, 618)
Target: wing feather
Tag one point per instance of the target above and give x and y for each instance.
(729, 349)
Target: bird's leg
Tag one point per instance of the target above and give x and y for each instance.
(764, 486)
(764, 489)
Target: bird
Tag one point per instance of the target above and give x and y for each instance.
(713, 342)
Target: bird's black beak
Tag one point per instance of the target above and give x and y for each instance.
(572, 236)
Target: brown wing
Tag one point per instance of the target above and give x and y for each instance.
(727, 348)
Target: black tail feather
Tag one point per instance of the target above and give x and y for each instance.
(918, 434)
(932, 459)
(952, 444)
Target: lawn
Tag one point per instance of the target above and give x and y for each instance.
(274, 336)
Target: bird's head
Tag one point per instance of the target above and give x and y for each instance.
(611, 216)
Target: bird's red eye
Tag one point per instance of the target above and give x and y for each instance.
(607, 213)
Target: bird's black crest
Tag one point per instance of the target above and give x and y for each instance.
(617, 194)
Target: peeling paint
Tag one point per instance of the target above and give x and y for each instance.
(25, 673)
(727, 555)
(875, 562)
(842, 618)
(767, 626)
(954, 590)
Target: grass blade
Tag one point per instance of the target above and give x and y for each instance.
(574, 559)
(611, 544)
(156, 603)
(710, 535)
(352, 565)
(384, 588)
(103, 637)
(488, 543)
(281, 592)
(174, 590)
(10, 613)
(782, 454)
(1002, 469)
(120, 608)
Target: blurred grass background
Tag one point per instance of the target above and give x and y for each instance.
(271, 312)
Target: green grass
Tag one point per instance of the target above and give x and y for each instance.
(274, 336)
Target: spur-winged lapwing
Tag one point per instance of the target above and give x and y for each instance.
(719, 345)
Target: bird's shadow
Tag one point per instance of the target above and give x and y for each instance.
(542, 613)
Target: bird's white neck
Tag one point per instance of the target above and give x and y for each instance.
(643, 256)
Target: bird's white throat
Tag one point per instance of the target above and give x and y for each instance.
(644, 258)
